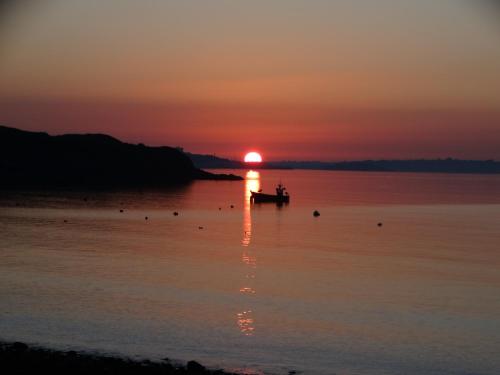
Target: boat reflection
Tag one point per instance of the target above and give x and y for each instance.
(245, 318)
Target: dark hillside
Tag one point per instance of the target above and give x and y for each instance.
(30, 159)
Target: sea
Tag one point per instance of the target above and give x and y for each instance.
(399, 274)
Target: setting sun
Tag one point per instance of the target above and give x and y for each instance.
(253, 157)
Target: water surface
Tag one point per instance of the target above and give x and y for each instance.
(261, 287)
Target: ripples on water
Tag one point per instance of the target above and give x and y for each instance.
(261, 287)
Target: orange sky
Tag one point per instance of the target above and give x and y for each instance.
(294, 79)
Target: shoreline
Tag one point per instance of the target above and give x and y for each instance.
(21, 358)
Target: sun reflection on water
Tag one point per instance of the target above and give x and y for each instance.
(245, 322)
(245, 318)
(252, 183)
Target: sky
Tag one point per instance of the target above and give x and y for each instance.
(293, 79)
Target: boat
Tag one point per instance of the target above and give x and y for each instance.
(281, 196)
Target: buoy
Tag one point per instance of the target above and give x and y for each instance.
(379, 224)
(121, 210)
(146, 218)
(220, 208)
(200, 227)
(176, 213)
(316, 213)
(232, 206)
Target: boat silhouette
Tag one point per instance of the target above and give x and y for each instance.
(281, 196)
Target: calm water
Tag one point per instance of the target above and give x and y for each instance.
(264, 288)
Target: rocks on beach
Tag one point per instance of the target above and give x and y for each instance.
(19, 346)
(19, 358)
(195, 367)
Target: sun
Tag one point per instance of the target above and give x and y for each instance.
(253, 157)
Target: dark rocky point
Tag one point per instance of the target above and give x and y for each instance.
(30, 159)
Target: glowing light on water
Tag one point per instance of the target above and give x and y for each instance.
(245, 320)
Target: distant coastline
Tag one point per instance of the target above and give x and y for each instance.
(31, 159)
(39, 160)
(448, 165)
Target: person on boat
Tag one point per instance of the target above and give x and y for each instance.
(279, 190)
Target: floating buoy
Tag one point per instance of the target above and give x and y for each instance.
(316, 213)
(232, 206)
(220, 208)
(146, 218)
(176, 213)
(379, 224)
(200, 227)
(121, 210)
(65, 221)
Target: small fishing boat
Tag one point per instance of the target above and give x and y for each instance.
(280, 197)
